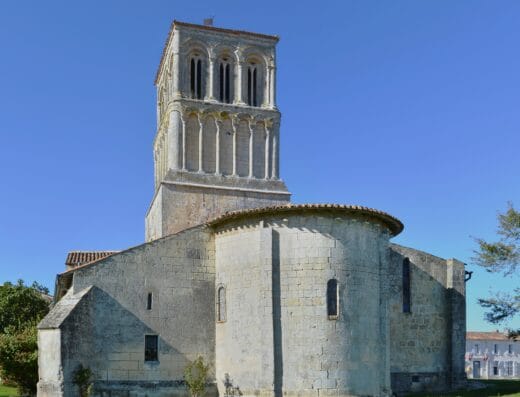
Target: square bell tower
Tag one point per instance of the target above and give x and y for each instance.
(218, 127)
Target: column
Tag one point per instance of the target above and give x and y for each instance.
(238, 83)
(183, 120)
(268, 128)
(210, 87)
(272, 81)
(176, 75)
(274, 158)
(172, 140)
(217, 146)
(235, 122)
(201, 125)
(251, 129)
(267, 87)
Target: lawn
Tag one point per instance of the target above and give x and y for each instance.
(6, 391)
(502, 388)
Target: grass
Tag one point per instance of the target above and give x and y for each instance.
(496, 388)
(6, 391)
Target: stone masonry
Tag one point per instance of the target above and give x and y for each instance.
(279, 299)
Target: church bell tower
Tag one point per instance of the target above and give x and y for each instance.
(217, 143)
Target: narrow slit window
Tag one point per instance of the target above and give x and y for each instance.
(221, 85)
(332, 299)
(495, 349)
(199, 79)
(407, 300)
(227, 86)
(510, 349)
(151, 344)
(255, 96)
(249, 82)
(221, 304)
(149, 301)
(192, 77)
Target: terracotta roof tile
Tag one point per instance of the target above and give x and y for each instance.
(391, 222)
(496, 335)
(78, 258)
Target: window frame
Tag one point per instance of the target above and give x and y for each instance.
(332, 297)
(406, 286)
(221, 304)
(149, 301)
(146, 338)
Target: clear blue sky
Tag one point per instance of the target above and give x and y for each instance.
(411, 107)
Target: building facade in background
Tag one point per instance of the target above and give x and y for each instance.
(279, 298)
(492, 355)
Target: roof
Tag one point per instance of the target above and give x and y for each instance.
(496, 335)
(209, 28)
(78, 258)
(394, 224)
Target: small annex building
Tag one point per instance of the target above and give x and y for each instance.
(279, 298)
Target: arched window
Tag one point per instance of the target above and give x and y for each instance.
(252, 84)
(196, 86)
(221, 304)
(332, 299)
(407, 299)
(224, 81)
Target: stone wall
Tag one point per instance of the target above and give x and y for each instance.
(276, 272)
(425, 343)
(195, 199)
(179, 272)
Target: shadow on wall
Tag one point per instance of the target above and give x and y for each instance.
(427, 343)
(115, 349)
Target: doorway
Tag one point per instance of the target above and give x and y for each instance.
(476, 369)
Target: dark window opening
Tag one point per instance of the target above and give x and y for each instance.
(196, 78)
(255, 96)
(415, 378)
(227, 96)
(252, 79)
(221, 304)
(407, 300)
(151, 343)
(199, 79)
(495, 349)
(192, 78)
(332, 299)
(510, 349)
(221, 83)
(149, 302)
(249, 93)
(495, 368)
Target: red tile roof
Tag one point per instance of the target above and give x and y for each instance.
(391, 222)
(78, 258)
(488, 336)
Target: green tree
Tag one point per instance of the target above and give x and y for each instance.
(21, 308)
(195, 375)
(503, 257)
(19, 358)
(20, 305)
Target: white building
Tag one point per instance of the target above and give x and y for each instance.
(492, 355)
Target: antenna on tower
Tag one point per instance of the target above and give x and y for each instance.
(208, 21)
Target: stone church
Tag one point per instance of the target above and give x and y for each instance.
(278, 298)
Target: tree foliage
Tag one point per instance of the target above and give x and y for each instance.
(195, 375)
(502, 256)
(20, 305)
(21, 308)
(19, 358)
(83, 379)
